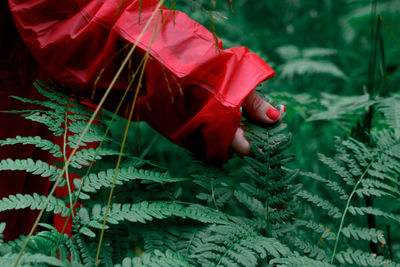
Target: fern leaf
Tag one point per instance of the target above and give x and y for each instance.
(368, 234)
(390, 107)
(373, 211)
(310, 66)
(300, 261)
(362, 258)
(145, 211)
(54, 125)
(104, 179)
(339, 170)
(37, 141)
(84, 156)
(37, 259)
(317, 228)
(331, 184)
(311, 250)
(155, 258)
(342, 107)
(35, 167)
(320, 202)
(253, 204)
(34, 202)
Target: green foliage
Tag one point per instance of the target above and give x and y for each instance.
(341, 209)
(151, 211)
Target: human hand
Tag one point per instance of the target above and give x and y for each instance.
(260, 110)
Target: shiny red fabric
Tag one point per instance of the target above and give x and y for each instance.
(191, 91)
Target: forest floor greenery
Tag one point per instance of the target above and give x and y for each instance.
(322, 188)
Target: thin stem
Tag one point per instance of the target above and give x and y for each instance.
(85, 131)
(118, 164)
(146, 57)
(347, 208)
(65, 158)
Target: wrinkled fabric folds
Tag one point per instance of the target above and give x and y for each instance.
(192, 90)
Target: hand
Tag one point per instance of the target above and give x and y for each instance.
(260, 110)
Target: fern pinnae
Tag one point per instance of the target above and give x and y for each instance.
(368, 234)
(373, 211)
(331, 184)
(308, 248)
(37, 141)
(34, 202)
(37, 167)
(363, 259)
(320, 202)
(337, 168)
(318, 228)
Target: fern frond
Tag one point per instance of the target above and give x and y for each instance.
(373, 211)
(390, 107)
(104, 179)
(36, 259)
(299, 261)
(53, 95)
(305, 247)
(84, 156)
(230, 246)
(37, 141)
(373, 192)
(317, 228)
(53, 122)
(320, 202)
(311, 66)
(318, 52)
(34, 202)
(334, 186)
(363, 259)
(368, 234)
(87, 254)
(253, 204)
(359, 151)
(342, 107)
(337, 168)
(47, 104)
(148, 211)
(35, 167)
(155, 258)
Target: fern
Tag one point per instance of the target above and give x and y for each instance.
(363, 259)
(322, 203)
(37, 141)
(34, 202)
(367, 234)
(311, 66)
(35, 167)
(156, 258)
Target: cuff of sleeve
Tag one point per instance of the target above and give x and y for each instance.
(219, 128)
(223, 109)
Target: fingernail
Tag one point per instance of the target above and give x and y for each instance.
(273, 114)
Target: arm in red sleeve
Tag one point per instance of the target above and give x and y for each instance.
(193, 91)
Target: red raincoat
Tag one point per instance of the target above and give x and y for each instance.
(192, 90)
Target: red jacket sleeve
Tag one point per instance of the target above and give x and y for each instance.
(192, 91)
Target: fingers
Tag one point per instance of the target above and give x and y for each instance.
(240, 144)
(261, 110)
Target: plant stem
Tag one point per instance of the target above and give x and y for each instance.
(346, 210)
